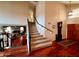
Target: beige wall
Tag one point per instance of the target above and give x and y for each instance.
(55, 12)
(14, 12)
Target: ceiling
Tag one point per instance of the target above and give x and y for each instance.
(70, 2)
(34, 2)
(64, 2)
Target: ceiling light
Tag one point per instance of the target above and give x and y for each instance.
(70, 10)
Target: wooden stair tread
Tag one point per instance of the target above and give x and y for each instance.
(39, 46)
(40, 41)
(35, 33)
(33, 45)
(38, 38)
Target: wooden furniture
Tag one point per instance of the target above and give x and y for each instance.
(17, 41)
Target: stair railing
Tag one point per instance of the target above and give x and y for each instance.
(28, 38)
(42, 25)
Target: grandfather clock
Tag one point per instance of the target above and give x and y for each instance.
(59, 30)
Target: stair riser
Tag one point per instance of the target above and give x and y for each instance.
(33, 49)
(36, 36)
(34, 33)
(38, 39)
(39, 42)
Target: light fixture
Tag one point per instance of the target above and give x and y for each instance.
(70, 10)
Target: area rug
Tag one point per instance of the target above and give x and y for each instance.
(67, 43)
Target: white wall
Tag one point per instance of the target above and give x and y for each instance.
(40, 15)
(14, 13)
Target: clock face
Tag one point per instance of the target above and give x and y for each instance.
(60, 25)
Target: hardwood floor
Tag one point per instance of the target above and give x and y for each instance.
(54, 51)
(57, 51)
(15, 52)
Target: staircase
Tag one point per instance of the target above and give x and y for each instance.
(37, 40)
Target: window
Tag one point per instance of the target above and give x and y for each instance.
(74, 14)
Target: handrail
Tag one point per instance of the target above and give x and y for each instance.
(28, 38)
(42, 25)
